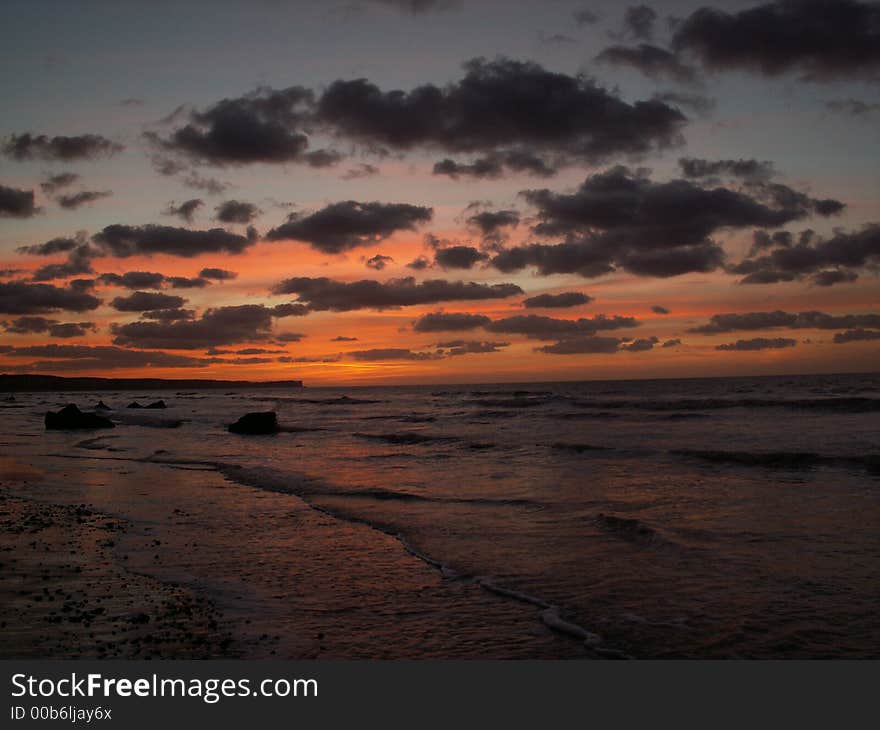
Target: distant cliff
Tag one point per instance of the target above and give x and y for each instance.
(9, 383)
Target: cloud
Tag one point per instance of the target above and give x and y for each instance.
(75, 200)
(830, 277)
(745, 169)
(142, 301)
(822, 40)
(349, 224)
(493, 166)
(856, 335)
(342, 338)
(450, 322)
(208, 185)
(657, 309)
(758, 343)
(79, 261)
(134, 279)
(15, 203)
(71, 329)
(417, 7)
(186, 282)
(123, 241)
(491, 223)
(459, 257)
(582, 346)
(265, 126)
(790, 320)
(566, 299)
(642, 344)
(218, 274)
(39, 325)
(83, 357)
(538, 327)
(698, 103)
(811, 254)
(323, 293)
(216, 327)
(378, 262)
(852, 107)
(585, 17)
(186, 210)
(56, 245)
(57, 182)
(63, 149)
(362, 170)
(235, 211)
(491, 112)
(469, 347)
(18, 297)
(671, 343)
(653, 61)
(638, 21)
(391, 353)
(419, 264)
(620, 218)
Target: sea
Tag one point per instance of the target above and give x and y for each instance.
(690, 518)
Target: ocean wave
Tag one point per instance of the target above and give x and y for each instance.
(578, 448)
(783, 459)
(828, 405)
(406, 438)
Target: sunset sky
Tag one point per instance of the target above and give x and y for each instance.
(381, 191)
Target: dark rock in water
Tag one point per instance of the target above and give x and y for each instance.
(256, 423)
(627, 527)
(71, 417)
(134, 404)
(102, 406)
(157, 404)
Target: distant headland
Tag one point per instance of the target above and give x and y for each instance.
(24, 383)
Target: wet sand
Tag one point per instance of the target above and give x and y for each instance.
(126, 559)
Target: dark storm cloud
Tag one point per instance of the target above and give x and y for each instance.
(789, 320)
(856, 335)
(170, 315)
(469, 347)
(638, 21)
(643, 344)
(236, 211)
(218, 274)
(820, 39)
(657, 309)
(620, 218)
(451, 322)
(852, 107)
(186, 282)
(360, 171)
(57, 182)
(265, 125)
(585, 17)
(459, 257)
(490, 223)
(566, 299)
(653, 61)
(79, 261)
(748, 169)
(348, 224)
(378, 262)
(537, 327)
(142, 301)
(844, 252)
(123, 241)
(582, 346)
(84, 147)
(134, 279)
(75, 200)
(216, 327)
(698, 103)
(83, 357)
(491, 110)
(322, 293)
(15, 203)
(391, 353)
(19, 297)
(186, 210)
(494, 165)
(830, 277)
(758, 343)
(29, 325)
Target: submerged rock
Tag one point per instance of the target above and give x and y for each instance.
(71, 417)
(256, 423)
